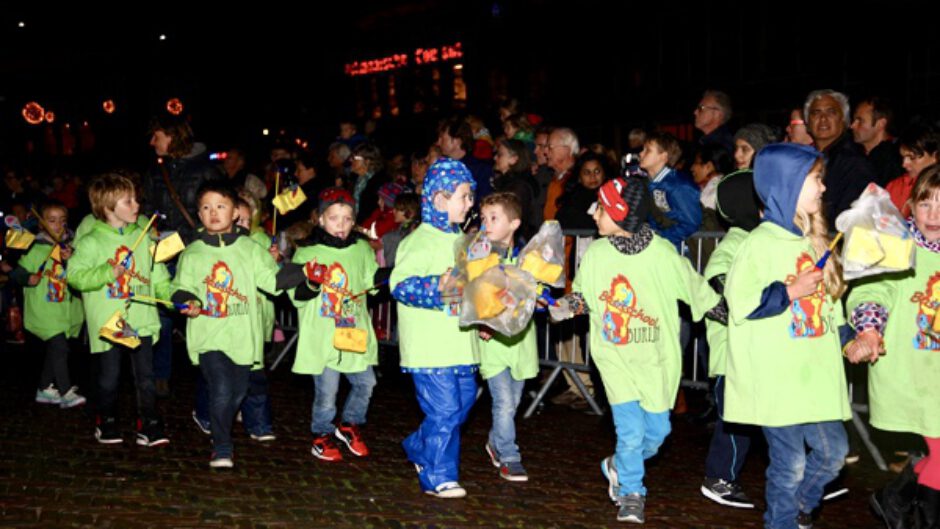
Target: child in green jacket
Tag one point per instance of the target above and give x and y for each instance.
(107, 273)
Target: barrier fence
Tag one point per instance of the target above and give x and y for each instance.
(564, 347)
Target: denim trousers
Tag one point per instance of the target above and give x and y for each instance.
(506, 393)
(639, 436)
(326, 385)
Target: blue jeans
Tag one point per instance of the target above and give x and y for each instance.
(639, 436)
(256, 408)
(795, 480)
(163, 349)
(730, 442)
(227, 384)
(326, 386)
(446, 400)
(506, 392)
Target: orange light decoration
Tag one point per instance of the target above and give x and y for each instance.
(33, 113)
(174, 106)
(401, 60)
(49, 117)
(109, 106)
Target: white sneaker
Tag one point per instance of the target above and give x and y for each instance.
(72, 398)
(449, 489)
(49, 395)
(263, 437)
(221, 462)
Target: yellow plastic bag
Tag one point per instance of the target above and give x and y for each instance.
(350, 339)
(487, 300)
(115, 330)
(476, 268)
(289, 199)
(541, 270)
(167, 248)
(19, 239)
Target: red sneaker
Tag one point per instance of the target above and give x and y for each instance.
(325, 448)
(352, 437)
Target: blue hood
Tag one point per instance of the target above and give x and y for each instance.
(779, 172)
(444, 175)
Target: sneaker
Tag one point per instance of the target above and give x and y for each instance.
(71, 398)
(726, 493)
(150, 433)
(49, 395)
(610, 472)
(201, 424)
(804, 520)
(852, 458)
(106, 432)
(513, 471)
(352, 437)
(221, 462)
(490, 451)
(325, 448)
(631, 508)
(450, 489)
(265, 437)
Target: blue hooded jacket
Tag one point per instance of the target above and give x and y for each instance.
(779, 172)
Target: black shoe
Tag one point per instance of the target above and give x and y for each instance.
(106, 431)
(894, 503)
(804, 520)
(927, 508)
(150, 433)
(725, 493)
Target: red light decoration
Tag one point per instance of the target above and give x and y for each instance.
(33, 113)
(109, 106)
(49, 117)
(174, 106)
(400, 60)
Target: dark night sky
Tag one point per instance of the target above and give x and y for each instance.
(596, 65)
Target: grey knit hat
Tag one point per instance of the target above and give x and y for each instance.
(757, 135)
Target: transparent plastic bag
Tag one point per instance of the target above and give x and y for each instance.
(501, 298)
(877, 240)
(544, 256)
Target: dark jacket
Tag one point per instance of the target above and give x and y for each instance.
(886, 159)
(573, 213)
(848, 173)
(369, 199)
(523, 186)
(186, 174)
(720, 137)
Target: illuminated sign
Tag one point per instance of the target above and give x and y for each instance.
(33, 113)
(400, 60)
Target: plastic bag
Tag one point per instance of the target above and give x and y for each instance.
(474, 254)
(502, 298)
(877, 240)
(544, 256)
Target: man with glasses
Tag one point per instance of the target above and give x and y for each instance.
(711, 117)
(848, 171)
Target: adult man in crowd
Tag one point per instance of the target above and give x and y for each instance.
(848, 171)
(455, 138)
(711, 118)
(871, 124)
(563, 150)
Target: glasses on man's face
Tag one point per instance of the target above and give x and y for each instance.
(703, 108)
(358, 158)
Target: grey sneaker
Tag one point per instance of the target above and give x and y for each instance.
(513, 471)
(725, 493)
(610, 473)
(631, 508)
(49, 395)
(71, 398)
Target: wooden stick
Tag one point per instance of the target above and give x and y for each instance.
(144, 233)
(277, 185)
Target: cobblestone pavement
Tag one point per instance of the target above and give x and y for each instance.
(54, 474)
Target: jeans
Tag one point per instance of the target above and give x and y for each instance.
(446, 400)
(227, 384)
(639, 436)
(110, 374)
(795, 480)
(730, 442)
(55, 369)
(255, 408)
(163, 350)
(506, 393)
(326, 385)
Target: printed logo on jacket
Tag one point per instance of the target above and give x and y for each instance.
(220, 289)
(807, 319)
(928, 304)
(120, 288)
(337, 297)
(56, 289)
(620, 310)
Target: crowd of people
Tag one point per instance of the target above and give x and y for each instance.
(781, 320)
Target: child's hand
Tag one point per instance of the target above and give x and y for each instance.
(316, 272)
(804, 284)
(192, 309)
(446, 281)
(118, 270)
(34, 279)
(486, 334)
(65, 252)
(873, 345)
(274, 253)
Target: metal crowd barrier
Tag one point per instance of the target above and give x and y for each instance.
(565, 359)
